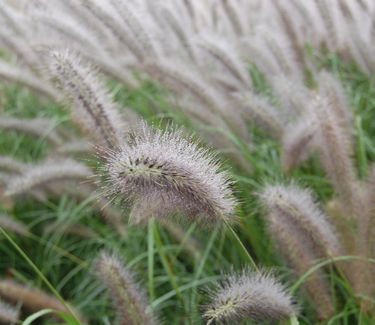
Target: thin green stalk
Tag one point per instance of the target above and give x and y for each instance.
(165, 262)
(319, 265)
(251, 260)
(294, 320)
(60, 250)
(40, 274)
(202, 264)
(151, 249)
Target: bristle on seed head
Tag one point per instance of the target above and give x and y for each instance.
(162, 173)
(256, 296)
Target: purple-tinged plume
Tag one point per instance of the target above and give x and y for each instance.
(93, 108)
(256, 296)
(129, 301)
(161, 173)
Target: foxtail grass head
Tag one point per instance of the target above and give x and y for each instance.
(129, 301)
(298, 206)
(162, 173)
(92, 107)
(8, 314)
(256, 296)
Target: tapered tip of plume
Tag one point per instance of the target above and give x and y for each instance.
(8, 314)
(48, 172)
(12, 225)
(93, 108)
(256, 296)
(162, 173)
(297, 205)
(34, 299)
(128, 299)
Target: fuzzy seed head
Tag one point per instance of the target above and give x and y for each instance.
(256, 296)
(48, 172)
(163, 173)
(12, 225)
(32, 299)
(8, 314)
(93, 108)
(298, 206)
(128, 299)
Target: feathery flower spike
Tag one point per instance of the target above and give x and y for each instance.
(335, 149)
(128, 299)
(93, 108)
(8, 314)
(256, 296)
(161, 173)
(32, 299)
(13, 225)
(46, 173)
(297, 205)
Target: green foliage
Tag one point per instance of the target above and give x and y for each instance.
(173, 278)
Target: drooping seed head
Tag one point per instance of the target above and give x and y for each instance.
(8, 314)
(93, 108)
(298, 142)
(48, 172)
(162, 173)
(256, 296)
(32, 299)
(301, 235)
(334, 146)
(297, 205)
(13, 225)
(298, 250)
(129, 301)
(36, 127)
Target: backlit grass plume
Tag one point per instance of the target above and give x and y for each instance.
(12, 225)
(23, 76)
(129, 301)
(334, 145)
(256, 296)
(298, 250)
(93, 108)
(162, 173)
(38, 127)
(8, 314)
(297, 205)
(302, 235)
(47, 173)
(11, 165)
(31, 299)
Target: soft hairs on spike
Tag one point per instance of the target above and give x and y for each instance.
(302, 235)
(93, 108)
(39, 127)
(162, 173)
(31, 298)
(46, 173)
(8, 314)
(333, 143)
(297, 204)
(256, 296)
(13, 225)
(128, 299)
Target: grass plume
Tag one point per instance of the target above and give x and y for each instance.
(93, 108)
(31, 299)
(164, 173)
(128, 299)
(8, 314)
(46, 173)
(249, 296)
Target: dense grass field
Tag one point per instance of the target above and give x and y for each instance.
(174, 273)
(255, 201)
